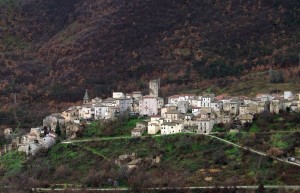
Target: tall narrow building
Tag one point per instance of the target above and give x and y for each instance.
(153, 87)
(86, 98)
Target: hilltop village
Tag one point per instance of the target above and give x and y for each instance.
(180, 113)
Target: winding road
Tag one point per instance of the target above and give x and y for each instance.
(253, 151)
(209, 135)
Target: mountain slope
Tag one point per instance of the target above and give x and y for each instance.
(53, 50)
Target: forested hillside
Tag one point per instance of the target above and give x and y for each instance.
(50, 51)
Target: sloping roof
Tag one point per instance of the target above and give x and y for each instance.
(86, 96)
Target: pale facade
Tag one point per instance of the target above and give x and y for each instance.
(86, 112)
(244, 109)
(168, 128)
(154, 87)
(288, 95)
(118, 95)
(275, 106)
(172, 115)
(183, 106)
(154, 125)
(124, 104)
(149, 106)
(205, 126)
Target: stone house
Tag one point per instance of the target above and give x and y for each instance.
(196, 110)
(234, 108)
(244, 109)
(226, 107)
(189, 120)
(139, 129)
(166, 108)
(86, 112)
(110, 102)
(206, 100)
(217, 106)
(96, 100)
(154, 125)
(71, 114)
(183, 106)
(262, 107)
(224, 119)
(276, 105)
(101, 112)
(295, 106)
(150, 105)
(172, 115)
(52, 120)
(245, 118)
(124, 104)
(203, 115)
(205, 125)
(288, 95)
(136, 95)
(137, 132)
(171, 127)
(118, 95)
(173, 99)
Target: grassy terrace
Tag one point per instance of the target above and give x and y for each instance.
(111, 128)
(186, 160)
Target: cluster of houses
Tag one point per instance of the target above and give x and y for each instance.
(201, 113)
(179, 113)
(31, 143)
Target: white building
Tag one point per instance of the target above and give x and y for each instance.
(118, 95)
(205, 126)
(183, 106)
(154, 125)
(109, 102)
(150, 105)
(196, 110)
(216, 106)
(171, 128)
(124, 104)
(288, 95)
(136, 95)
(206, 100)
(86, 112)
(172, 115)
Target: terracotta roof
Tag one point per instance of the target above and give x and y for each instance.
(221, 96)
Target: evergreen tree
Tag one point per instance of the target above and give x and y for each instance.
(58, 129)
